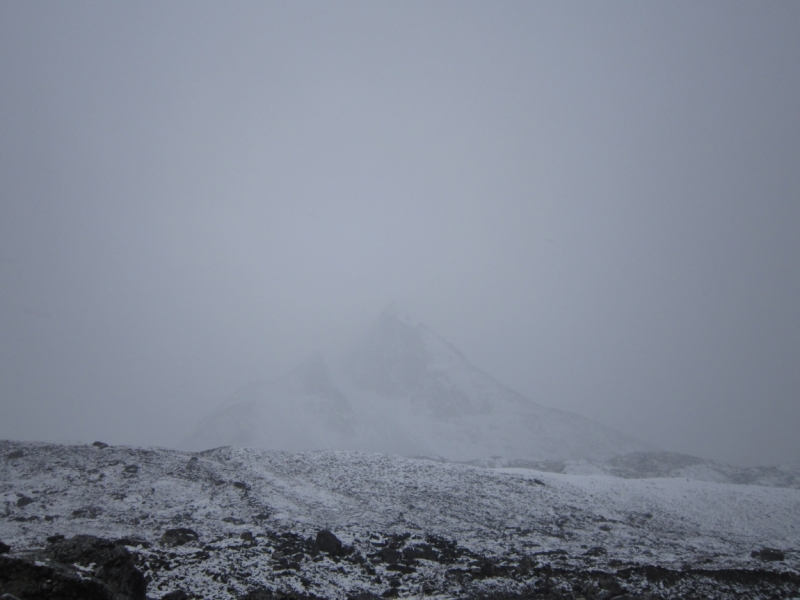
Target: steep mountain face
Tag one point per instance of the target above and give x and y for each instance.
(405, 390)
(302, 410)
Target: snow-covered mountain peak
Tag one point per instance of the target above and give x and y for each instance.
(405, 390)
(311, 377)
(411, 363)
(391, 359)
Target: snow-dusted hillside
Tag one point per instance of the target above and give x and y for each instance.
(405, 391)
(643, 465)
(409, 527)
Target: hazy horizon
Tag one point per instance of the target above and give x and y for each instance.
(598, 205)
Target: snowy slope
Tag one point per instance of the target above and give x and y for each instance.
(411, 527)
(643, 465)
(407, 391)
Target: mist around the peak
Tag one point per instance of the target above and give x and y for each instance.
(595, 204)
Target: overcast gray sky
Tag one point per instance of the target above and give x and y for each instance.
(597, 203)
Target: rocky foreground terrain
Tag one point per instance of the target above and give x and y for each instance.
(122, 523)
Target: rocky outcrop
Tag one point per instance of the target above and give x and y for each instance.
(179, 536)
(80, 568)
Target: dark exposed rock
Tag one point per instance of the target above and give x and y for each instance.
(131, 469)
(241, 485)
(15, 454)
(87, 512)
(390, 555)
(179, 536)
(100, 445)
(526, 565)
(596, 551)
(52, 573)
(26, 580)
(52, 539)
(768, 554)
(423, 551)
(401, 568)
(328, 542)
(113, 564)
(610, 584)
(176, 595)
(24, 501)
(4, 548)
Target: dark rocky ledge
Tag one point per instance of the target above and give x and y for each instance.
(92, 568)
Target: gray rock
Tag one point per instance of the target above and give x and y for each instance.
(24, 501)
(114, 565)
(24, 580)
(768, 554)
(327, 542)
(179, 536)
(114, 575)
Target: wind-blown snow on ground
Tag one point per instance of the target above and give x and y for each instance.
(507, 516)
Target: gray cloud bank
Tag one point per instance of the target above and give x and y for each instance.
(599, 205)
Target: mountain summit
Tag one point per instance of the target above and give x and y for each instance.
(404, 390)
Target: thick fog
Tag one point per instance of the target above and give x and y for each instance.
(598, 204)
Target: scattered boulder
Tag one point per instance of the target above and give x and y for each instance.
(241, 485)
(24, 501)
(87, 512)
(768, 554)
(15, 454)
(423, 551)
(390, 555)
(179, 536)
(176, 595)
(526, 565)
(327, 542)
(100, 445)
(131, 469)
(52, 539)
(610, 584)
